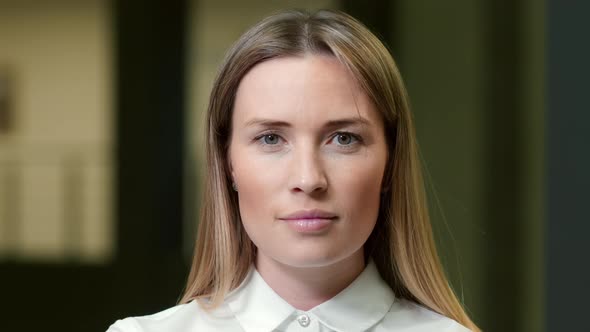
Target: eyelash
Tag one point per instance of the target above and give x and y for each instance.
(357, 138)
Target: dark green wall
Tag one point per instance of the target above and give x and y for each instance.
(568, 164)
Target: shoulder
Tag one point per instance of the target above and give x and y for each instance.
(182, 317)
(124, 325)
(408, 316)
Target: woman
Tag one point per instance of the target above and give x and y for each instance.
(314, 216)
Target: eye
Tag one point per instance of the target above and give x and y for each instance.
(344, 138)
(269, 139)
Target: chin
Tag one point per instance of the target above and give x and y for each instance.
(313, 257)
(309, 262)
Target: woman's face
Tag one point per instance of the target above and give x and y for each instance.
(307, 154)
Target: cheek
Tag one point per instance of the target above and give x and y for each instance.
(358, 188)
(258, 183)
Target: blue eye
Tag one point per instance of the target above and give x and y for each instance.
(346, 138)
(270, 139)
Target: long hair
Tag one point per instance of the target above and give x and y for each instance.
(401, 243)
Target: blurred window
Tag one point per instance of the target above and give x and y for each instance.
(55, 131)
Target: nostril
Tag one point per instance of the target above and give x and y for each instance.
(310, 188)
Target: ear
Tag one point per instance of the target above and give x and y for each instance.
(230, 168)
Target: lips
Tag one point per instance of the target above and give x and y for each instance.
(309, 214)
(313, 222)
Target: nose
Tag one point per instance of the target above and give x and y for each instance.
(307, 172)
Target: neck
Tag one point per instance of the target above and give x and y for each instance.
(307, 287)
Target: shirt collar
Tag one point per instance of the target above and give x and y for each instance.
(359, 306)
(256, 306)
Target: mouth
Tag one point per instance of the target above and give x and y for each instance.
(309, 214)
(309, 221)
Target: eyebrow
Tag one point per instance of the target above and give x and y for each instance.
(330, 124)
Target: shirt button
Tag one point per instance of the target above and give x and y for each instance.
(303, 320)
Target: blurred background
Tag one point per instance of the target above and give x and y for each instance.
(101, 107)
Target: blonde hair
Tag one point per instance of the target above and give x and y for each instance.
(401, 244)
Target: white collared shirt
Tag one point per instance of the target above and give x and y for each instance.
(368, 304)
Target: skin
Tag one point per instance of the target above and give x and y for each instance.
(285, 157)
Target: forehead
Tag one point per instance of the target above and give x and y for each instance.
(307, 88)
